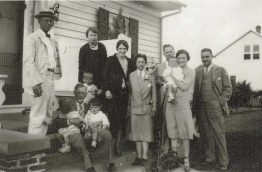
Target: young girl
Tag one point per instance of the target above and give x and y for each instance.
(66, 108)
(172, 70)
(95, 120)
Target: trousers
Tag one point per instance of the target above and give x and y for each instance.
(212, 131)
(78, 142)
(42, 107)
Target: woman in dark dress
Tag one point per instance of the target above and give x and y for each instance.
(92, 57)
(117, 70)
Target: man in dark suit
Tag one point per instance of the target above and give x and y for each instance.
(77, 141)
(211, 93)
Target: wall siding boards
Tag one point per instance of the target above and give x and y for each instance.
(76, 16)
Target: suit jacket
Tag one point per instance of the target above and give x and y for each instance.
(36, 60)
(114, 75)
(143, 94)
(221, 85)
(161, 94)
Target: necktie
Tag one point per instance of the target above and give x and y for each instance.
(81, 110)
(48, 35)
(140, 74)
(205, 70)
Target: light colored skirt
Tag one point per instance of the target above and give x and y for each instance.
(180, 123)
(141, 128)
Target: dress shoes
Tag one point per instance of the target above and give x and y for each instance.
(137, 162)
(91, 169)
(112, 167)
(223, 168)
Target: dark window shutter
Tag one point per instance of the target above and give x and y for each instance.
(103, 24)
(133, 33)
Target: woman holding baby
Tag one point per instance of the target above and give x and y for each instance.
(179, 119)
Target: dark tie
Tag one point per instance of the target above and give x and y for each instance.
(47, 35)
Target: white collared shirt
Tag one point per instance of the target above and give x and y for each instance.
(50, 49)
(208, 68)
(142, 73)
(166, 63)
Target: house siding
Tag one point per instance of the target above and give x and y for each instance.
(76, 17)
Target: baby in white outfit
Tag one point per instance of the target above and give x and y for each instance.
(172, 70)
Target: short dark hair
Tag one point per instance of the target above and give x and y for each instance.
(78, 85)
(207, 50)
(183, 52)
(123, 42)
(167, 45)
(91, 29)
(141, 56)
(95, 102)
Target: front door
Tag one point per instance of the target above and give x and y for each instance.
(11, 46)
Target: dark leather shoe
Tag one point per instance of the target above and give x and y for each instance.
(223, 168)
(112, 167)
(118, 152)
(137, 162)
(208, 163)
(91, 169)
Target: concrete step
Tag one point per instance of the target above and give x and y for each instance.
(58, 160)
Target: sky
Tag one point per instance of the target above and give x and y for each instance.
(210, 24)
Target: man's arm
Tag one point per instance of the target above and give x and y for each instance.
(32, 76)
(196, 95)
(227, 87)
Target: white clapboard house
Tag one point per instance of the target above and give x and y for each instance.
(242, 58)
(142, 22)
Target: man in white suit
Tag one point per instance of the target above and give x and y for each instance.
(162, 93)
(40, 68)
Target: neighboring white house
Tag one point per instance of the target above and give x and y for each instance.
(143, 22)
(242, 58)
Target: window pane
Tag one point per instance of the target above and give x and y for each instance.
(256, 48)
(255, 56)
(246, 56)
(247, 48)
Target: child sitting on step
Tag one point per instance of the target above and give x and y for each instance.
(95, 121)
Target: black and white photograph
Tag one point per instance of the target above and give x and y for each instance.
(130, 86)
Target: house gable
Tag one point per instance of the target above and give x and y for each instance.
(249, 32)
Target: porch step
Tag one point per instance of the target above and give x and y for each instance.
(12, 142)
(14, 121)
(56, 160)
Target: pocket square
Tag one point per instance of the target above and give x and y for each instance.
(219, 78)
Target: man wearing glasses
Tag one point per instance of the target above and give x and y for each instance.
(40, 69)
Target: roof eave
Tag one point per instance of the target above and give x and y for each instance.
(157, 13)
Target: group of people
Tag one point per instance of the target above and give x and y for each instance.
(113, 89)
(200, 101)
